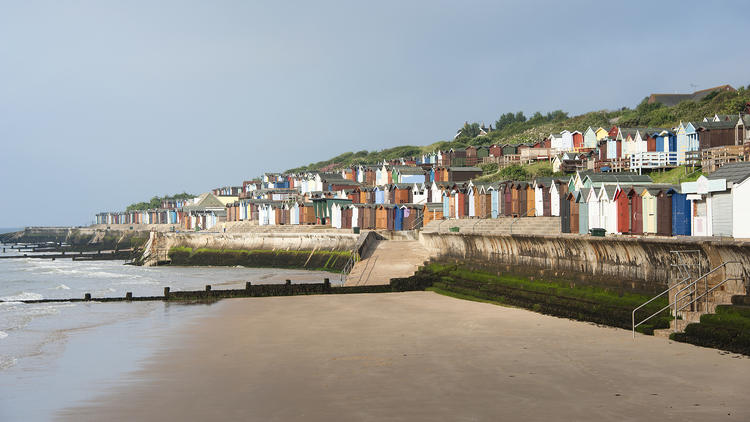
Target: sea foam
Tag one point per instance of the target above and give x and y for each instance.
(22, 296)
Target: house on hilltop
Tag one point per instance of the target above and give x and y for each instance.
(673, 99)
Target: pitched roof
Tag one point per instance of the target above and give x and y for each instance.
(464, 169)
(618, 178)
(411, 170)
(716, 125)
(209, 200)
(734, 172)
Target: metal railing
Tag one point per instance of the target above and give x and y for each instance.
(691, 288)
(418, 223)
(519, 217)
(682, 267)
(348, 266)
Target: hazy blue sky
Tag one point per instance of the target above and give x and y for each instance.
(107, 103)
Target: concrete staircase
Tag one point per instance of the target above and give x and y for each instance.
(501, 225)
(723, 287)
(389, 259)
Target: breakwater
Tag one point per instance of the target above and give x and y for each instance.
(79, 256)
(255, 290)
(640, 264)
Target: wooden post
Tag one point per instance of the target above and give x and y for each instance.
(326, 285)
(289, 287)
(166, 293)
(129, 296)
(208, 287)
(87, 296)
(248, 285)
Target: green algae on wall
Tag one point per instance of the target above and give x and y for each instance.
(333, 261)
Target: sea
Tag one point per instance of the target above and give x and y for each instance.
(55, 355)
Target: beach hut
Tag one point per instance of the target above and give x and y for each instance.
(592, 201)
(381, 217)
(471, 194)
(636, 211)
(446, 205)
(573, 205)
(495, 202)
(335, 217)
(398, 218)
(648, 198)
(622, 201)
(356, 218)
(564, 211)
(531, 201)
(557, 195)
(583, 211)
(608, 208)
(522, 209)
(680, 215)
(664, 212)
(506, 190)
(433, 212)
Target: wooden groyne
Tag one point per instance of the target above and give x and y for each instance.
(80, 256)
(254, 290)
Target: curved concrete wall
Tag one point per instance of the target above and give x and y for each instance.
(644, 260)
(265, 241)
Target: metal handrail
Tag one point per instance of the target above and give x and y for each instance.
(519, 217)
(417, 221)
(653, 299)
(677, 297)
(707, 290)
(349, 266)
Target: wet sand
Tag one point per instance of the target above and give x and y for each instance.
(417, 356)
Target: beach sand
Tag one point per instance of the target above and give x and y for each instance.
(417, 356)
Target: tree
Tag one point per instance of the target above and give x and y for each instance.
(469, 130)
(505, 120)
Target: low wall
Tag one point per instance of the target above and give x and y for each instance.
(640, 263)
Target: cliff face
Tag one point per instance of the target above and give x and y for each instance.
(644, 263)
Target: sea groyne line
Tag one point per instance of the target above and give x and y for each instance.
(123, 254)
(250, 290)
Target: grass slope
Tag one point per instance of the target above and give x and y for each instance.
(651, 115)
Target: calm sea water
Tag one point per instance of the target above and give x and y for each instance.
(53, 355)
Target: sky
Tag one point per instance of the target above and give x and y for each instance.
(106, 103)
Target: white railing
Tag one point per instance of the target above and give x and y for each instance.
(653, 159)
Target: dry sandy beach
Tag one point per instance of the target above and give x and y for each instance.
(418, 356)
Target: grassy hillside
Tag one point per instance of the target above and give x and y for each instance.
(676, 175)
(516, 128)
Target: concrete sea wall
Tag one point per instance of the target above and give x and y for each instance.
(258, 241)
(638, 263)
